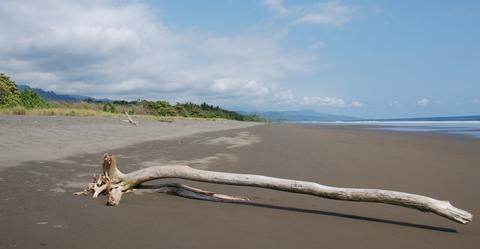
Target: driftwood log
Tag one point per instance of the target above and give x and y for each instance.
(115, 183)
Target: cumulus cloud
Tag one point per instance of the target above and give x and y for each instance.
(106, 48)
(423, 102)
(332, 13)
(123, 50)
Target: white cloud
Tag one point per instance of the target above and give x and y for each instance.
(325, 101)
(239, 87)
(284, 97)
(423, 102)
(122, 50)
(277, 6)
(317, 45)
(395, 103)
(356, 104)
(328, 102)
(332, 13)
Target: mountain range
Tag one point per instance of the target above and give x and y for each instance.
(52, 96)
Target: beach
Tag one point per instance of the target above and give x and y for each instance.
(26, 138)
(44, 160)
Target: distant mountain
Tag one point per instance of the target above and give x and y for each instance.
(301, 115)
(52, 96)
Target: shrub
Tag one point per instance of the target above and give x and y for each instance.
(109, 107)
(19, 110)
(30, 100)
(9, 96)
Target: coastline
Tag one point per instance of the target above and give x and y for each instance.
(37, 201)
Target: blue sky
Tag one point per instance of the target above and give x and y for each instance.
(362, 58)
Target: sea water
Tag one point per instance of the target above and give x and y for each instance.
(470, 128)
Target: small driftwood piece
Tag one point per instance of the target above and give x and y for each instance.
(114, 183)
(129, 119)
(165, 120)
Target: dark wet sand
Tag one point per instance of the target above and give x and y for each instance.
(38, 210)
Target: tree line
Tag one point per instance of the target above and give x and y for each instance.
(11, 97)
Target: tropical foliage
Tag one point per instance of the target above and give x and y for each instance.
(30, 100)
(9, 95)
(165, 109)
(18, 102)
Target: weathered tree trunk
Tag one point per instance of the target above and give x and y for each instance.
(115, 183)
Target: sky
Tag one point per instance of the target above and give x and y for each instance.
(370, 59)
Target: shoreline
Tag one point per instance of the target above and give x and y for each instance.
(380, 130)
(465, 129)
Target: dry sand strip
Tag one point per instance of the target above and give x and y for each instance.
(27, 138)
(38, 209)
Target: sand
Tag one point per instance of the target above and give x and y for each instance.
(38, 210)
(26, 138)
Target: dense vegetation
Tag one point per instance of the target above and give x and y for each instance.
(165, 109)
(10, 97)
(30, 99)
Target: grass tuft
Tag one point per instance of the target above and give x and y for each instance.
(19, 110)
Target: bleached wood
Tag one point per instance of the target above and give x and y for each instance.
(121, 183)
(189, 192)
(129, 119)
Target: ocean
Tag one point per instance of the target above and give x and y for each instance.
(462, 126)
